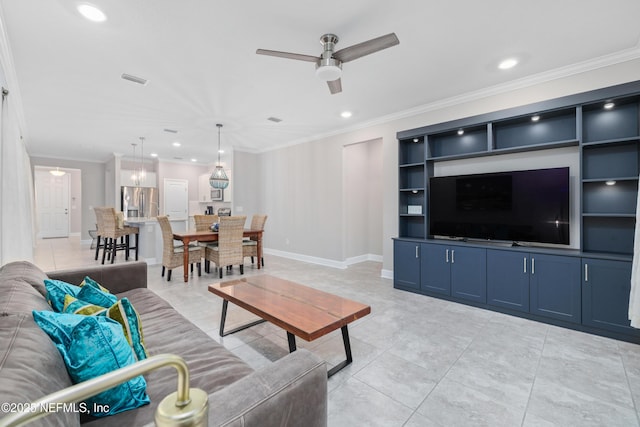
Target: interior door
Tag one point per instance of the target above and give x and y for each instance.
(52, 204)
(176, 198)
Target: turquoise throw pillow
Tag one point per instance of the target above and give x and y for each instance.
(122, 312)
(90, 282)
(92, 346)
(95, 296)
(56, 290)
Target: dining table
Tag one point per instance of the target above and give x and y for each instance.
(189, 236)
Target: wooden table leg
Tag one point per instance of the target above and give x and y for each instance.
(185, 258)
(259, 250)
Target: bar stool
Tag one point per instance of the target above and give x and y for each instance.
(111, 231)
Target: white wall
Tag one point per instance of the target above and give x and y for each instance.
(303, 184)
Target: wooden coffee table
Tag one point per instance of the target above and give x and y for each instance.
(302, 311)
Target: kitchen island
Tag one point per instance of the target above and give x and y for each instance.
(150, 244)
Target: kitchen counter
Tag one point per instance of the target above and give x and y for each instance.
(150, 244)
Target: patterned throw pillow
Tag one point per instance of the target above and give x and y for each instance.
(92, 346)
(122, 312)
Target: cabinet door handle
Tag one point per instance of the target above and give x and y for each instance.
(533, 266)
(417, 254)
(524, 265)
(446, 256)
(586, 272)
(453, 260)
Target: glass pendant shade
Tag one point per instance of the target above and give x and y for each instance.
(218, 178)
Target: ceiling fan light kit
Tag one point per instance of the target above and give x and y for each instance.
(329, 63)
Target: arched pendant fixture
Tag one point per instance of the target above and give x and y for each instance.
(218, 178)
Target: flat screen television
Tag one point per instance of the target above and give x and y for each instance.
(518, 206)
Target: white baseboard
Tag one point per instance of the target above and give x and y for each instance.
(306, 258)
(324, 261)
(387, 274)
(363, 258)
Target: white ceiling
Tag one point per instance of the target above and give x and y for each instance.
(200, 61)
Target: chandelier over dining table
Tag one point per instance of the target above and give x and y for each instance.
(218, 178)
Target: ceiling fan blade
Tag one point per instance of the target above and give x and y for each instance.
(366, 48)
(287, 55)
(335, 86)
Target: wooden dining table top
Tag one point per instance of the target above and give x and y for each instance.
(208, 235)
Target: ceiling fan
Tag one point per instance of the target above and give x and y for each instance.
(329, 63)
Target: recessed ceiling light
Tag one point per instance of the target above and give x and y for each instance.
(194, 160)
(176, 144)
(508, 63)
(609, 105)
(346, 114)
(535, 118)
(154, 154)
(91, 12)
(610, 182)
(460, 132)
(221, 151)
(416, 140)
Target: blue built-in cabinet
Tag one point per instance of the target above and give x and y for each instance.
(585, 288)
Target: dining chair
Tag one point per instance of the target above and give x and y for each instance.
(172, 255)
(250, 246)
(111, 232)
(229, 249)
(204, 222)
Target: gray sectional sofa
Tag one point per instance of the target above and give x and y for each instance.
(290, 392)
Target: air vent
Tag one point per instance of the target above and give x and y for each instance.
(134, 79)
(171, 130)
(274, 119)
(178, 158)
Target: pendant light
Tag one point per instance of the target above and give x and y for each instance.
(135, 177)
(218, 178)
(142, 174)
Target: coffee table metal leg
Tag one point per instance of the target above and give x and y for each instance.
(347, 350)
(292, 342)
(223, 318)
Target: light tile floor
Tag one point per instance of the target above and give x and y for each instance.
(420, 361)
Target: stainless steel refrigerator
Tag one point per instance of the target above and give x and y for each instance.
(139, 202)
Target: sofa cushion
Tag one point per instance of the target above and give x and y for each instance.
(25, 272)
(211, 366)
(31, 367)
(92, 346)
(22, 289)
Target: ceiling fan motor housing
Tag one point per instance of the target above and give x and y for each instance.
(328, 69)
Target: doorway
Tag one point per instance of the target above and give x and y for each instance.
(363, 201)
(52, 204)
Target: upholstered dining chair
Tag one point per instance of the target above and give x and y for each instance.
(172, 255)
(250, 246)
(229, 249)
(111, 232)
